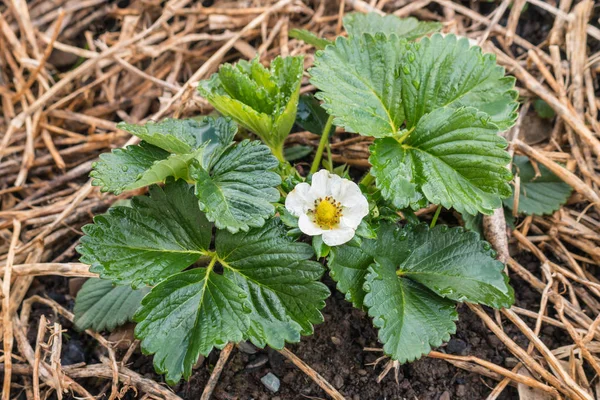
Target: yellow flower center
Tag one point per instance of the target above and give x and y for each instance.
(327, 212)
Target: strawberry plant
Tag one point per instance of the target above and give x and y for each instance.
(231, 243)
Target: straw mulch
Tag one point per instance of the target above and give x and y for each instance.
(71, 69)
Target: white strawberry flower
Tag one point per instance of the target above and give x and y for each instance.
(331, 206)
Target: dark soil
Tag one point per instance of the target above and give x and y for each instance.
(336, 351)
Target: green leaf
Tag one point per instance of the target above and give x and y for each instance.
(311, 116)
(269, 293)
(100, 305)
(357, 79)
(410, 318)
(538, 195)
(356, 24)
(238, 191)
(262, 100)
(454, 264)
(453, 157)
(374, 85)
(444, 71)
(409, 277)
(120, 169)
(319, 246)
(282, 285)
(156, 237)
(187, 315)
(349, 263)
(296, 152)
(180, 136)
(144, 164)
(309, 38)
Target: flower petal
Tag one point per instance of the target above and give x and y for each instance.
(320, 186)
(308, 227)
(353, 215)
(299, 200)
(349, 194)
(338, 236)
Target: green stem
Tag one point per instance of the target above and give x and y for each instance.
(435, 216)
(278, 153)
(329, 160)
(367, 180)
(211, 265)
(324, 140)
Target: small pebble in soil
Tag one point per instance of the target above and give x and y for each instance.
(259, 361)
(510, 362)
(336, 341)
(338, 381)
(445, 396)
(271, 382)
(247, 347)
(461, 390)
(72, 352)
(456, 346)
(362, 372)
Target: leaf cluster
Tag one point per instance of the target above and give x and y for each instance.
(261, 100)
(202, 260)
(235, 183)
(435, 107)
(255, 285)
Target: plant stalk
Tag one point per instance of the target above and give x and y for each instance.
(367, 180)
(322, 143)
(278, 153)
(435, 217)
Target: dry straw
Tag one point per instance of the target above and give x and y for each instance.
(54, 124)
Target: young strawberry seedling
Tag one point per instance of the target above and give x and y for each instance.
(231, 243)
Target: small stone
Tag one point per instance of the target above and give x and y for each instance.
(445, 396)
(362, 372)
(247, 347)
(261, 360)
(338, 381)
(456, 346)
(356, 397)
(510, 362)
(72, 352)
(336, 341)
(271, 382)
(461, 390)
(494, 341)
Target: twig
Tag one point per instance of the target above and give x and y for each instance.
(214, 377)
(312, 374)
(6, 317)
